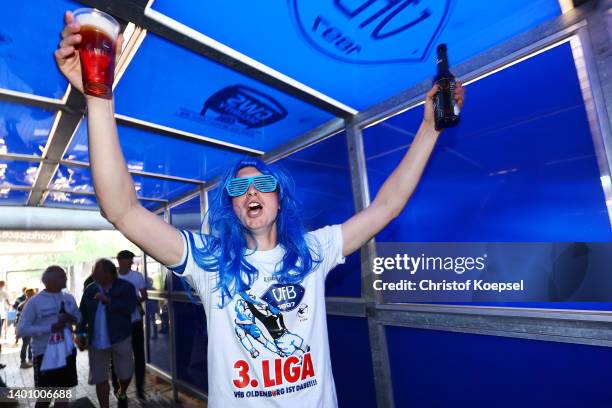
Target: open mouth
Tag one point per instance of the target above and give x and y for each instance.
(254, 209)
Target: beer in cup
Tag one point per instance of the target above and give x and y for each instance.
(99, 33)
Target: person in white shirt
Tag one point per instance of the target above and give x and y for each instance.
(259, 274)
(125, 259)
(4, 307)
(40, 317)
(4, 304)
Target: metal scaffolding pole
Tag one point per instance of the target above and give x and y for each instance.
(376, 331)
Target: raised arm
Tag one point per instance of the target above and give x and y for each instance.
(399, 186)
(112, 182)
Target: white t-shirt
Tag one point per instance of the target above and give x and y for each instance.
(269, 346)
(136, 279)
(4, 297)
(40, 313)
(101, 339)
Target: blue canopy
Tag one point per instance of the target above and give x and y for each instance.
(202, 84)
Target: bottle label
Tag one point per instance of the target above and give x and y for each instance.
(444, 100)
(451, 90)
(446, 111)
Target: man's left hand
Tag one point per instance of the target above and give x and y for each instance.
(101, 297)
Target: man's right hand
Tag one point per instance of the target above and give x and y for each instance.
(101, 297)
(58, 327)
(66, 318)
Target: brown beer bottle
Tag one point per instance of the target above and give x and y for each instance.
(446, 111)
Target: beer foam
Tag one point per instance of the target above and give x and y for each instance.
(96, 20)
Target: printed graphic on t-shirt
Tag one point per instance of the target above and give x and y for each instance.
(268, 341)
(276, 351)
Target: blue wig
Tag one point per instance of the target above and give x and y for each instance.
(225, 248)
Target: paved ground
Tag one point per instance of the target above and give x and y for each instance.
(159, 392)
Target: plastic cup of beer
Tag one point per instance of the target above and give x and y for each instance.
(97, 50)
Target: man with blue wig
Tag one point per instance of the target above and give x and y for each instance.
(259, 274)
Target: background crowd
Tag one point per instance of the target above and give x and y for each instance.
(107, 324)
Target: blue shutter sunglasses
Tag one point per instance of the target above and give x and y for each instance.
(265, 183)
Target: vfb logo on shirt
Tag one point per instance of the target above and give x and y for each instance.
(284, 297)
(243, 106)
(371, 31)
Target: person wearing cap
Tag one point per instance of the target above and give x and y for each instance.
(125, 259)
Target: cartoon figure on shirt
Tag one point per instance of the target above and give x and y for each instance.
(302, 313)
(286, 342)
(246, 327)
